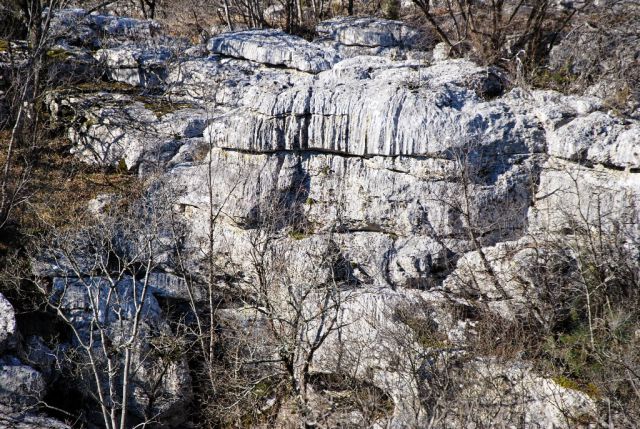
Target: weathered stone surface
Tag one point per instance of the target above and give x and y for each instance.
(15, 419)
(217, 79)
(392, 179)
(135, 65)
(597, 139)
(167, 285)
(8, 328)
(367, 32)
(163, 386)
(512, 393)
(374, 344)
(274, 47)
(571, 197)
(72, 295)
(353, 36)
(399, 196)
(116, 129)
(39, 356)
(381, 109)
(79, 28)
(519, 278)
(20, 385)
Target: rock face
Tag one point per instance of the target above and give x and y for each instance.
(118, 130)
(27, 420)
(428, 184)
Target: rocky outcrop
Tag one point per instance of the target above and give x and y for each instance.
(405, 184)
(28, 420)
(376, 107)
(515, 393)
(122, 131)
(367, 31)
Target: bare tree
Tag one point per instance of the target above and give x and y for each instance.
(101, 289)
(501, 30)
(28, 70)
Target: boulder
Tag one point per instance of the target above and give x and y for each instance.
(79, 297)
(597, 138)
(122, 131)
(575, 198)
(76, 27)
(511, 392)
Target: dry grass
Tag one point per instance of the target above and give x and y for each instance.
(60, 188)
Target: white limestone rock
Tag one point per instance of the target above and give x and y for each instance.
(114, 131)
(400, 196)
(184, 122)
(274, 47)
(171, 286)
(8, 327)
(353, 36)
(526, 278)
(571, 196)
(163, 386)
(27, 419)
(135, 65)
(381, 109)
(367, 31)
(441, 52)
(371, 344)
(597, 138)
(72, 295)
(512, 393)
(77, 27)
(216, 79)
(118, 131)
(125, 28)
(20, 385)
(72, 26)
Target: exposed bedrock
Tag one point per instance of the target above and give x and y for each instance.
(425, 183)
